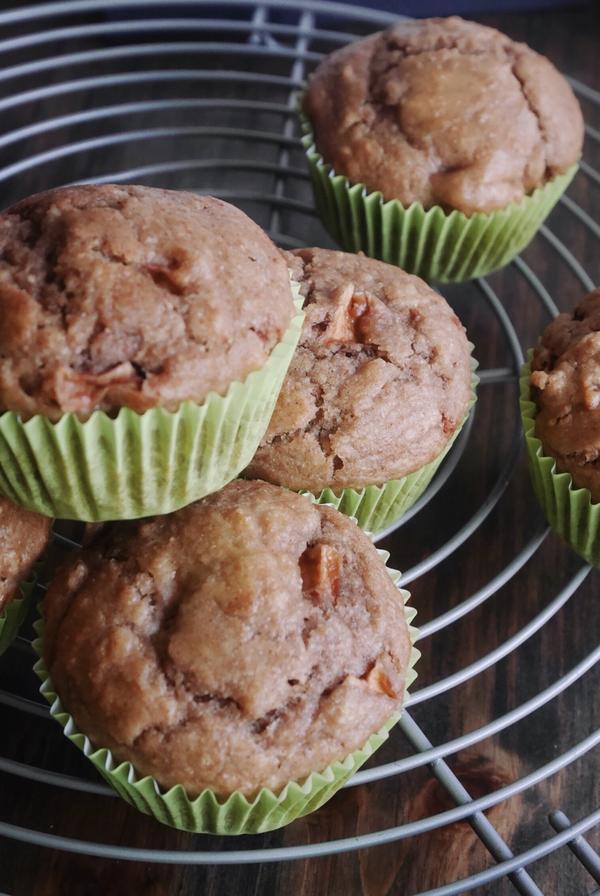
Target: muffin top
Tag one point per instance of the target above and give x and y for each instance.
(444, 112)
(131, 296)
(566, 388)
(379, 382)
(244, 641)
(23, 537)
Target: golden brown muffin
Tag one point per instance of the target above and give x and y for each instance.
(379, 382)
(242, 642)
(131, 296)
(565, 383)
(23, 537)
(444, 112)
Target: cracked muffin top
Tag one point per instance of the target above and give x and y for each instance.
(380, 380)
(131, 296)
(23, 537)
(565, 383)
(242, 642)
(444, 112)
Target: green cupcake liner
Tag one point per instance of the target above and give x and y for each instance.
(14, 614)
(136, 465)
(375, 507)
(207, 813)
(432, 243)
(569, 510)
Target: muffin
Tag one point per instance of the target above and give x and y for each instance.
(241, 652)
(439, 145)
(144, 337)
(23, 537)
(561, 416)
(378, 389)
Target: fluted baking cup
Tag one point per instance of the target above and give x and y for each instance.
(433, 243)
(569, 510)
(134, 465)
(14, 613)
(209, 813)
(375, 507)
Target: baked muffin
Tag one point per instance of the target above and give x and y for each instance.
(451, 115)
(378, 388)
(23, 537)
(444, 112)
(242, 643)
(123, 296)
(132, 297)
(561, 417)
(565, 380)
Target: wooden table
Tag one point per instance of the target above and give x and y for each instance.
(571, 39)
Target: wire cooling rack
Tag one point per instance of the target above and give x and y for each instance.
(195, 96)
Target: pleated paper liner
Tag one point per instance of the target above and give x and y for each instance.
(375, 507)
(13, 615)
(568, 509)
(432, 243)
(136, 465)
(208, 813)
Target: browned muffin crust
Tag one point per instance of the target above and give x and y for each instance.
(23, 537)
(242, 642)
(444, 112)
(131, 296)
(565, 383)
(379, 382)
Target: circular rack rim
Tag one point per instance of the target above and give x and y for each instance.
(265, 34)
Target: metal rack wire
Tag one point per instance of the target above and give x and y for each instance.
(93, 64)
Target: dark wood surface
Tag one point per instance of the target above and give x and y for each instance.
(571, 39)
